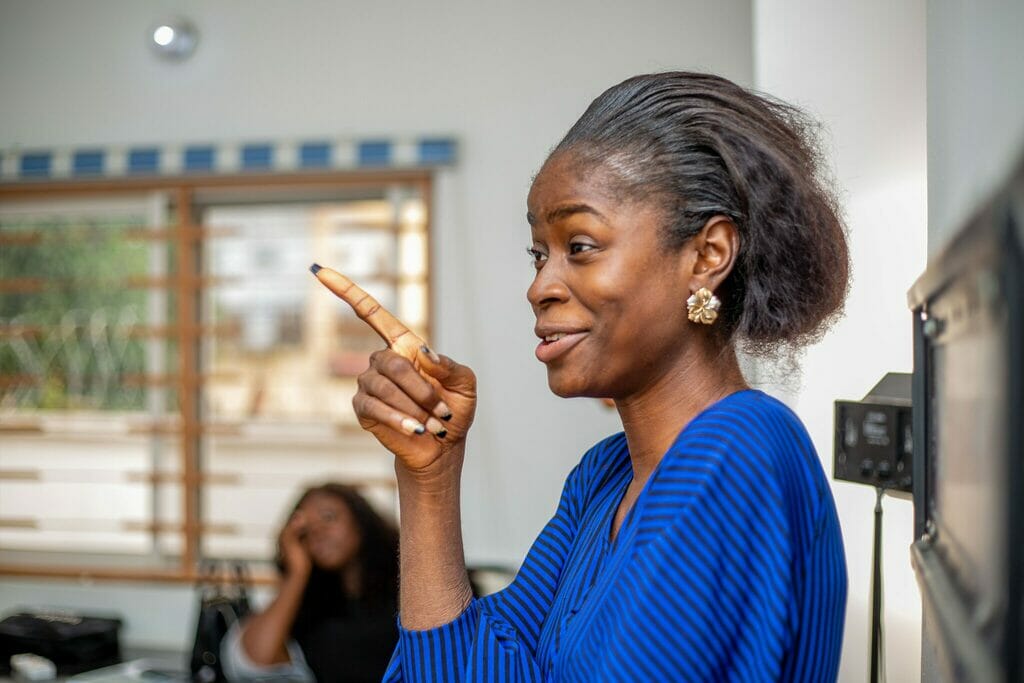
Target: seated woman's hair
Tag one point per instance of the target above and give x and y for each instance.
(703, 146)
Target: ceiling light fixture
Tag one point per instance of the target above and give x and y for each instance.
(174, 39)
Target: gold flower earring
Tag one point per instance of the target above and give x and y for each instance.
(702, 306)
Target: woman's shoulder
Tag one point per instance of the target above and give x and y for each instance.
(610, 452)
(755, 440)
(600, 463)
(750, 419)
(745, 421)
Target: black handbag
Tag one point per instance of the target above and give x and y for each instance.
(73, 642)
(224, 600)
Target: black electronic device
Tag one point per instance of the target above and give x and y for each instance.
(874, 442)
(968, 395)
(874, 445)
(73, 642)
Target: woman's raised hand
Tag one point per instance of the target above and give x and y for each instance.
(296, 558)
(418, 404)
(419, 410)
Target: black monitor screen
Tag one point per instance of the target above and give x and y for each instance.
(969, 444)
(968, 433)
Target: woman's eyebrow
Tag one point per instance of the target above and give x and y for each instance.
(565, 211)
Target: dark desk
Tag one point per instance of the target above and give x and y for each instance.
(141, 664)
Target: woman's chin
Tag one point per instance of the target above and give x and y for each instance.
(326, 566)
(329, 562)
(565, 387)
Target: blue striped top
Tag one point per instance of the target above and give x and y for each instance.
(729, 567)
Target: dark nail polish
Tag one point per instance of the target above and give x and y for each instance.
(447, 417)
(443, 433)
(315, 268)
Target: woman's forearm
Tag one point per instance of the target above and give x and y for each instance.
(434, 585)
(265, 635)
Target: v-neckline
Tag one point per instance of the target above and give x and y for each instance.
(609, 542)
(610, 539)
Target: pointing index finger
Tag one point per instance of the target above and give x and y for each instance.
(392, 330)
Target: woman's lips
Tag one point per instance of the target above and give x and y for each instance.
(549, 351)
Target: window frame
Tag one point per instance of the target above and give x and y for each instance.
(187, 283)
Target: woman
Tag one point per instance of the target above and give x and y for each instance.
(680, 218)
(333, 617)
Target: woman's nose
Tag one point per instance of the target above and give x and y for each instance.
(315, 524)
(548, 286)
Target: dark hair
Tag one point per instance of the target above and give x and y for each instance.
(703, 146)
(377, 557)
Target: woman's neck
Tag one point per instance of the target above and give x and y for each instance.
(352, 580)
(653, 418)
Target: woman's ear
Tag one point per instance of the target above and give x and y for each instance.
(713, 253)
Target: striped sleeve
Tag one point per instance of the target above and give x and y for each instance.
(495, 638)
(819, 642)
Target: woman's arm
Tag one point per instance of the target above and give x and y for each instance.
(422, 415)
(499, 632)
(265, 635)
(434, 585)
(402, 398)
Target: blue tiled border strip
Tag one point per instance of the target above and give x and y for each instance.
(205, 158)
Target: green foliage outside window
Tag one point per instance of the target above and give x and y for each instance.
(67, 314)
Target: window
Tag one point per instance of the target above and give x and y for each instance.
(170, 373)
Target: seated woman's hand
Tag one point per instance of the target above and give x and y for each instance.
(420, 412)
(294, 554)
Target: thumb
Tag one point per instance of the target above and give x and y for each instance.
(450, 374)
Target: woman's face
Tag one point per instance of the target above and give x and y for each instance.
(332, 537)
(608, 289)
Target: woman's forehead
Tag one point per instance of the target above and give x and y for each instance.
(565, 187)
(565, 181)
(320, 499)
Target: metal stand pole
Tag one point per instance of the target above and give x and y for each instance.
(876, 590)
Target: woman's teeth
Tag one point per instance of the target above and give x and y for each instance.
(554, 337)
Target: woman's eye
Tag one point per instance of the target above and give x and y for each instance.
(536, 256)
(580, 247)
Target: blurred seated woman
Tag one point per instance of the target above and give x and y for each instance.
(334, 615)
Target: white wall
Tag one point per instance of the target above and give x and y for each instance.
(860, 67)
(507, 79)
(975, 106)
